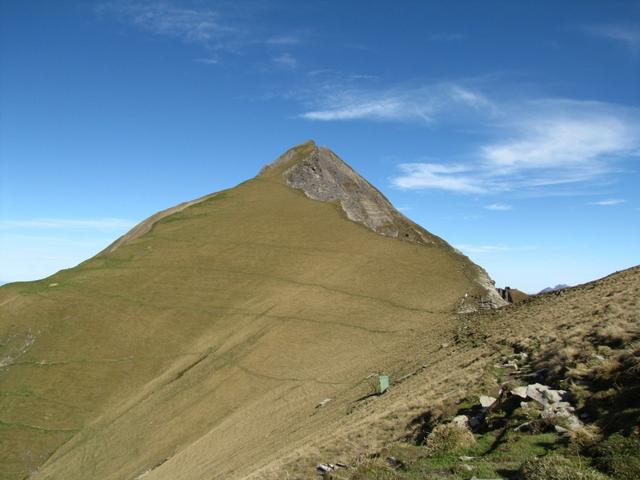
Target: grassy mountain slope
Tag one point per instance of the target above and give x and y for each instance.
(199, 344)
(584, 339)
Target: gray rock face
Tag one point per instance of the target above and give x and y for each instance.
(323, 176)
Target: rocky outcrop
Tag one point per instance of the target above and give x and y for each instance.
(324, 176)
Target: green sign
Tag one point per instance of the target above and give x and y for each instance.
(383, 383)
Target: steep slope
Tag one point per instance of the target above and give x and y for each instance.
(583, 339)
(198, 345)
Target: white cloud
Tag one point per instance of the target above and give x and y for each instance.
(609, 202)
(436, 176)
(64, 223)
(548, 143)
(469, 97)
(627, 35)
(422, 104)
(376, 109)
(285, 60)
(564, 138)
(498, 207)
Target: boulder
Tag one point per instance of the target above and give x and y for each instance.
(486, 401)
(553, 396)
(461, 420)
(535, 391)
(519, 392)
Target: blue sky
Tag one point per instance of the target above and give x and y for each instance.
(511, 129)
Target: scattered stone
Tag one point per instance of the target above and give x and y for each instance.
(395, 463)
(535, 391)
(468, 468)
(466, 458)
(511, 364)
(523, 427)
(486, 401)
(519, 392)
(53, 285)
(573, 423)
(461, 420)
(566, 406)
(553, 396)
(325, 468)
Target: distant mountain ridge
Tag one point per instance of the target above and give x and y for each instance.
(560, 286)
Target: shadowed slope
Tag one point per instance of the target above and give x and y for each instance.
(198, 346)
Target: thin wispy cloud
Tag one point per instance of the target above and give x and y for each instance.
(285, 61)
(218, 28)
(424, 104)
(625, 35)
(420, 176)
(500, 207)
(207, 61)
(196, 24)
(609, 202)
(65, 223)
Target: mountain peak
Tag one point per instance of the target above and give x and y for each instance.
(322, 175)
